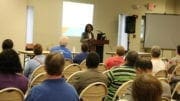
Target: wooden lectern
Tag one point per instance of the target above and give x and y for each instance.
(99, 44)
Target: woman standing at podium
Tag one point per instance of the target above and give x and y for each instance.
(87, 37)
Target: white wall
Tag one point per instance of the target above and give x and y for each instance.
(48, 19)
(13, 21)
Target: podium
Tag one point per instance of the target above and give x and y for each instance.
(99, 47)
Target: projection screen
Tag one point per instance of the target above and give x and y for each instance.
(162, 30)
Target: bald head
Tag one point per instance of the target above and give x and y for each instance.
(63, 40)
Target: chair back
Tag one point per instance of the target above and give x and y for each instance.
(105, 72)
(171, 69)
(37, 71)
(161, 74)
(83, 65)
(164, 80)
(11, 94)
(38, 79)
(68, 62)
(71, 76)
(101, 67)
(69, 70)
(176, 71)
(165, 99)
(94, 92)
(176, 90)
(122, 89)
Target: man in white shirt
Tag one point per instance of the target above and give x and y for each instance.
(157, 62)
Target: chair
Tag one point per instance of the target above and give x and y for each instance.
(72, 75)
(176, 71)
(94, 92)
(69, 70)
(105, 72)
(171, 69)
(37, 71)
(83, 65)
(176, 90)
(101, 67)
(38, 79)
(164, 80)
(68, 62)
(165, 99)
(161, 74)
(11, 94)
(122, 89)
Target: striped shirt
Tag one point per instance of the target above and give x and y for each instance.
(117, 76)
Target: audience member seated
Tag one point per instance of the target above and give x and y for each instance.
(36, 61)
(55, 87)
(81, 56)
(145, 67)
(157, 62)
(10, 71)
(174, 79)
(61, 48)
(7, 44)
(146, 88)
(175, 60)
(116, 60)
(117, 76)
(91, 75)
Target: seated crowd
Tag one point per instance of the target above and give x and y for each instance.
(119, 69)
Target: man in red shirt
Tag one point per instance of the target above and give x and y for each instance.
(116, 60)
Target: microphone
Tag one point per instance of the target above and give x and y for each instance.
(101, 35)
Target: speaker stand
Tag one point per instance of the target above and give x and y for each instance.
(99, 50)
(128, 42)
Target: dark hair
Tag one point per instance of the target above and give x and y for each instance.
(7, 44)
(84, 47)
(37, 49)
(54, 64)
(131, 58)
(92, 60)
(146, 88)
(143, 64)
(178, 49)
(155, 51)
(10, 62)
(120, 50)
(86, 30)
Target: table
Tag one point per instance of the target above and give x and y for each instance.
(30, 54)
(111, 53)
(141, 54)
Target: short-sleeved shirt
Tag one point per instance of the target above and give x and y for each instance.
(32, 64)
(80, 57)
(117, 76)
(53, 90)
(62, 50)
(158, 65)
(84, 78)
(114, 61)
(13, 80)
